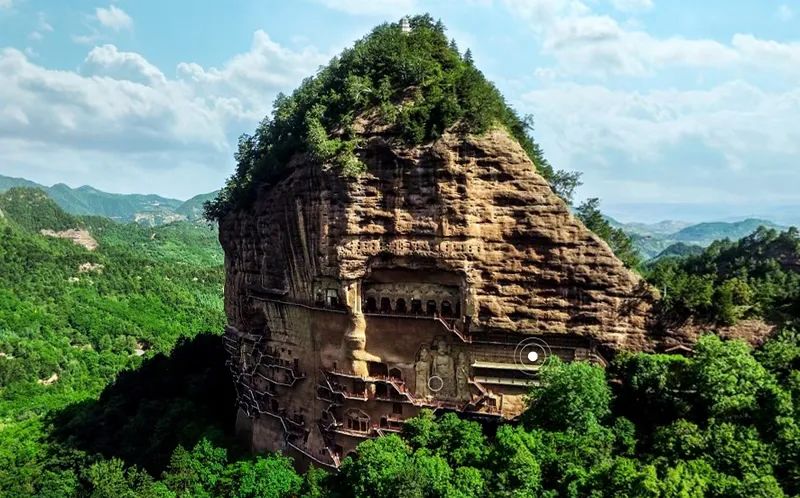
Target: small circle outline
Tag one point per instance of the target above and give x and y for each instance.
(441, 383)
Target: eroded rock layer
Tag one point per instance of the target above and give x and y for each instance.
(440, 278)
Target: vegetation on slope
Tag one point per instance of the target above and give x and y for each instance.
(71, 319)
(755, 277)
(417, 83)
(144, 209)
(723, 423)
(619, 241)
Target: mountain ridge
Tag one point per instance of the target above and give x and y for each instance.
(146, 209)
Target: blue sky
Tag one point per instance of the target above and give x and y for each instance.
(671, 109)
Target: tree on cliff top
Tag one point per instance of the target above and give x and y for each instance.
(416, 82)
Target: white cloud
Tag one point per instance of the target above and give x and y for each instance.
(120, 119)
(632, 5)
(264, 70)
(396, 8)
(584, 43)
(6, 4)
(785, 13)
(114, 18)
(735, 140)
(42, 27)
(106, 60)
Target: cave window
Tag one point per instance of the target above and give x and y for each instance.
(332, 298)
(397, 408)
(395, 373)
(400, 307)
(273, 405)
(357, 421)
(359, 386)
(377, 369)
(370, 306)
(416, 306)
(430, 307)
(386, 305)
(447, 309)
(381, 391)
(384, 422)
(319, 299)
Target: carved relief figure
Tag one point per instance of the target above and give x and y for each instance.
(422, 369)
(462, 376)
(443, 367)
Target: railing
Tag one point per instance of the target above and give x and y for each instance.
(454, 329)
(314, 307)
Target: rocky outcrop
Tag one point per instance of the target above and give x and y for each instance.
(424, 283)
(78, 236)
(474, 205)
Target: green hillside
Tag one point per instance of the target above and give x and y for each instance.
(194, 208)
(757, 276)
(680, 250)
(650, 240)
(705, 233)
(32, 209)
(146, 209)
(7, 182)
(124, 207)
(71, 319)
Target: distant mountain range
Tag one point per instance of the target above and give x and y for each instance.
(681, 238)
(146, 209)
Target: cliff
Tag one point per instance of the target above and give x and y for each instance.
(470, 205)
(432, 271)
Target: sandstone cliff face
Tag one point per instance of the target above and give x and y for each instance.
(424, 283)
(473, 206)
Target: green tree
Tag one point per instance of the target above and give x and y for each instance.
(619, 242)
(727, 377)
(264, 477)
(571, 395)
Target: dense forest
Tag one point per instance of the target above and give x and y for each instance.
(757, 276)
(416, 85)
(71, 318)
(110, 388)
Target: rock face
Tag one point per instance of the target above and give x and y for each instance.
(440, 278)
(77, 236)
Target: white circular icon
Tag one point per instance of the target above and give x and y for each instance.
(530, 355)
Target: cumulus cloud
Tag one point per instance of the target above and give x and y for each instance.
(264, 70)
(113, 17)
(107, 60)
(119, 118)
(582, 42)
(729, 139)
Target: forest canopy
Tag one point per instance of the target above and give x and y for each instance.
(417, 83)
